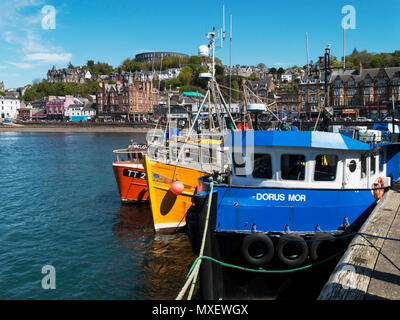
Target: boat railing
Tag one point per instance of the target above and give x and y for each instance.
(200, 156)
(134, 156)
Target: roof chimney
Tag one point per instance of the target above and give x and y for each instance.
(360, 67)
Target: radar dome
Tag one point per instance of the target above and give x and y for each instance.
(203, 51)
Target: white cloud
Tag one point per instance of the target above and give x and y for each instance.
(21, 30)
(49, 57)
(20, 65)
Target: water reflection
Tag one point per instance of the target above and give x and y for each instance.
(166, 259)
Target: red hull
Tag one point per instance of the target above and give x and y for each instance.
(131, 181)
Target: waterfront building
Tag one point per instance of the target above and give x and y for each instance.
(288, 105)
(2, 88)
(311, 96)
(74, 112)
(25, 112)
(89, 111)
(9, 107)
(366, 92)
(55, 106)
(132, 101)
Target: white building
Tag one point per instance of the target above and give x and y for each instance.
(287, 76)
(9, 107)
(74, 110)
(80, 112)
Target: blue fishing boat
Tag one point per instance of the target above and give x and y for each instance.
(288, 201)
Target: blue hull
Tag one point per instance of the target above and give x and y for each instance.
(296, 210)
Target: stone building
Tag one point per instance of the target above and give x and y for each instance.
(150, 56)
(366, 92)
(80, 75)
(132, 101)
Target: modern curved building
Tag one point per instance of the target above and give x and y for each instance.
(150, 56)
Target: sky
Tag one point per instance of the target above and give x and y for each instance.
(37, 34)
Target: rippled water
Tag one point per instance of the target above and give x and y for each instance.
(59, 206)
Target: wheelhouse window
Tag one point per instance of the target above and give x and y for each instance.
(373, 163)
(293, 166)
(325, 167)
(262, 166)
(363, 166)
(239, 164)
(381, 160)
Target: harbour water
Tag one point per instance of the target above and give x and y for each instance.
(59, 206)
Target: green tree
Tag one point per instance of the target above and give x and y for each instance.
(130, 65)
(185, 75)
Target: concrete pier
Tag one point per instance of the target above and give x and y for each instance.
(370, 268)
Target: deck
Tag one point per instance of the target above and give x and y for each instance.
(370, 268)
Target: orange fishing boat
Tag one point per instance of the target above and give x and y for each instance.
(169, 208)
(129, 173)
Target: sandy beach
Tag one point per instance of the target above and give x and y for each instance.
(75, 128)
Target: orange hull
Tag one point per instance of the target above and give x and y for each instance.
(131, 181)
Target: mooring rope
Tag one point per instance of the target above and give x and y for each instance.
(191, 277)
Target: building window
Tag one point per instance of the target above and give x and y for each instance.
(293, 166)
(325, 167)
(262, 166)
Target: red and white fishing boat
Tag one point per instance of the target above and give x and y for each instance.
(129, 173)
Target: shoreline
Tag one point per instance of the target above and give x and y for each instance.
(72, 129)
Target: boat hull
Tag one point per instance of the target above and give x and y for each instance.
(131, 181)
(168, 209)
(236, 214)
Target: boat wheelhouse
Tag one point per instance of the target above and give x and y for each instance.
(129, 173)
(289, 194)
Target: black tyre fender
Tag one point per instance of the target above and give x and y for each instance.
(265, 241)
(316, 241)
(292, 239)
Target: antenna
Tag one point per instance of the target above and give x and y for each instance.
(344, 49)
(230, 62)
(223, 22)
(308, 65)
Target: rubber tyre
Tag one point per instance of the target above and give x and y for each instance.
(296, 240)
(316, 241)
(251, 240)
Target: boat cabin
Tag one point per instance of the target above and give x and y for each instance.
(305, 159)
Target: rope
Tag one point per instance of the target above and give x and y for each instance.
(193, 275)
(228, 265)
(193, 272)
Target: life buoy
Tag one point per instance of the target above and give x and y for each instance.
(257, 249)
(292, 250)
(320, 245)
(379, 188)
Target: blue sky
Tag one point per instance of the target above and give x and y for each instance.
(272, 32)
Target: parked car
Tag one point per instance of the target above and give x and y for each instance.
(363, 119)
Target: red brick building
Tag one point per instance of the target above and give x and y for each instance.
(132, 101)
